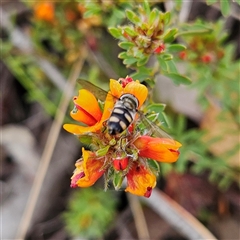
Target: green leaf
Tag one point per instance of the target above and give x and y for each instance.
(130, 31)
(167, 57)
(92, 9)
(162, 63)
(178, 78)
(176, 48)
(126, 45)
(152, 116)
(163, 119)
(129, 61)
(167, 17)
(133, 17)
(146, 7)
(153, 15)
(171, 66)
(123, 55)
(84, 139)
(142, 73)
(117, 180)
(225, 7)
(192, 29)
(169, 35)
(118, 13)
(142, 61)
(156, 107)
(154, 166)
(102, 151)
(115, 32)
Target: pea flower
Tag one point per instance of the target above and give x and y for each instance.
(131, 154)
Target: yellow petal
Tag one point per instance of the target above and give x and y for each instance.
(140, 181)
(137, 89)
(116, 88)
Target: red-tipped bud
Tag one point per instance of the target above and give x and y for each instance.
(207, 58)
(182, 55)
(148, 192)
(131, 128)
(160, 49)
(120, 164)
(125, 34)
(125, 81)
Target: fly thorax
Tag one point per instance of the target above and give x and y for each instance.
(129, 101)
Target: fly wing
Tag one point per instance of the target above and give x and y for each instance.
(95, 90)
(152, 128)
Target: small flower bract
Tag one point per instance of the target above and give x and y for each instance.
(125, 155)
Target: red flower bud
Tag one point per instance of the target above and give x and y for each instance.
(148, 192)
(125, 34)
(160, 48)
(206, 58)
(131, 128)
(125, 81)
(120, 164)
(182, 55)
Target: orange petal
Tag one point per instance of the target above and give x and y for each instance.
(82, 116)
(137, 89)
(140, 181)
(159, 149)
(76, 129)
(87, 171)
(88, 103)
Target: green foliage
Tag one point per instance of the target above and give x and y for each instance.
(149, 34)
(31, 78)
(89, 213)
(195, 149)
(218, 72)
(225, 5)
(151, 43)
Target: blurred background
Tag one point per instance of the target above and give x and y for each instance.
(45, 46)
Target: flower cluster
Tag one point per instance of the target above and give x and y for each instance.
(205, 48)
(73, 12)
(148, 34)
(129, 155)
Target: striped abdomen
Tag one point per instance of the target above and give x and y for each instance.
(123, 114)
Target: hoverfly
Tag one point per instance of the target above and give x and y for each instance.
(124, 112)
